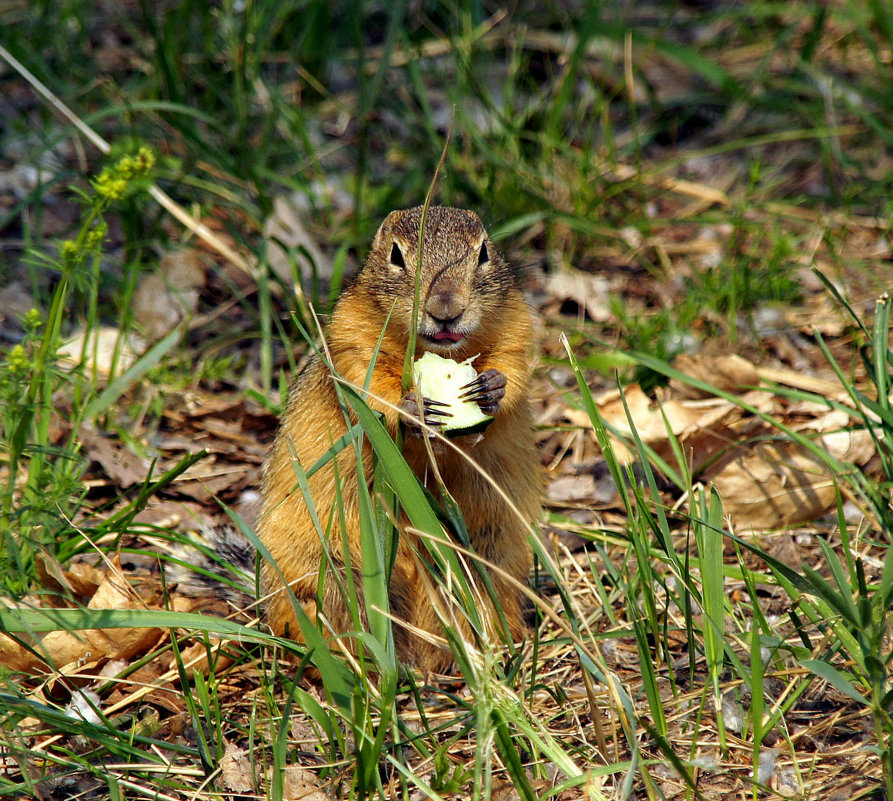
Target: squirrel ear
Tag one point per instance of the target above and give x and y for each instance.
(397, 257)
(484, 255)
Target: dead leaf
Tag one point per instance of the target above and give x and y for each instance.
(855, 446)
(71, 648)
(651, 418)
(122, 466)
(702, 427)
(290, 243)
(302, 784)
(182, 269)
(784, 548)
(572, 488)
(20, 180)
(196, 656)
(588, 291)
(728, 373)
(765, 483)
(106, 347)
(772, 485)
(505, 791)
(15, 302)
(164, 299)
(208, 484)
(80, 579)
(235, 769)
(795, 378)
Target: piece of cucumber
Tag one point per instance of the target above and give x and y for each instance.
(445, 380)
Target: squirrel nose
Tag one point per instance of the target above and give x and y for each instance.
(445, 306)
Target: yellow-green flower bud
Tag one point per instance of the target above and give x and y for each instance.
(125, 167)
(145, 160)
(110, 185)
(17, 359)
(96, 235)
(33, 319)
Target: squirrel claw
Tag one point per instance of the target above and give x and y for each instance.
(434, 417)
(487, 390)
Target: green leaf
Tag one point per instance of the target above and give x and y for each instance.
(399, 474)
(338, 680)
(38, 621)
(836, 678)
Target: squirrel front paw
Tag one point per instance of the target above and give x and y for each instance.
(433, 411)
(487, 390)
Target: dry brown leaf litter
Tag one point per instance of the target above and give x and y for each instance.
(700, 424)
(68, 651)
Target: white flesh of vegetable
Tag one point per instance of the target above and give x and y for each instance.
(444, 380)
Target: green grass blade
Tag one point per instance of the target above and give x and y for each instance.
(712, 568)
(836, 678)
(105, 399)
(377, 543)
(412, 498)
(337, 678)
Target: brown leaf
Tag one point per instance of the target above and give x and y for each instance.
(764, 484)
(728, 373)
(195, 656)
(854, 446)
(235, 769)
(302, 784)
(15, 300)
(122, 466)
(773, 484)
(182, 269)
(290, 242)
(62, 648)
(784, 548)
(588, 291)
(105, 347)
(213, 483)
(157, 309)
(572, 488)
(80, 580)
(702, 427)
(164, 298)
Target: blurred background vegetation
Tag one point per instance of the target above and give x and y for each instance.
(567, 117)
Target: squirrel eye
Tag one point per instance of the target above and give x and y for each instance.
(484, 256)
(397, 257)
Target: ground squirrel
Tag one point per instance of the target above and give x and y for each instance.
(469, 307)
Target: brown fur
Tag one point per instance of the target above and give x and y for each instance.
(481, 302)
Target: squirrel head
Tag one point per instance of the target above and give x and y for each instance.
(462, 276)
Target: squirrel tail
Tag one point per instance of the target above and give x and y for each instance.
(216, 563)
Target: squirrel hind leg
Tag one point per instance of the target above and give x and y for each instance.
(332, 607)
